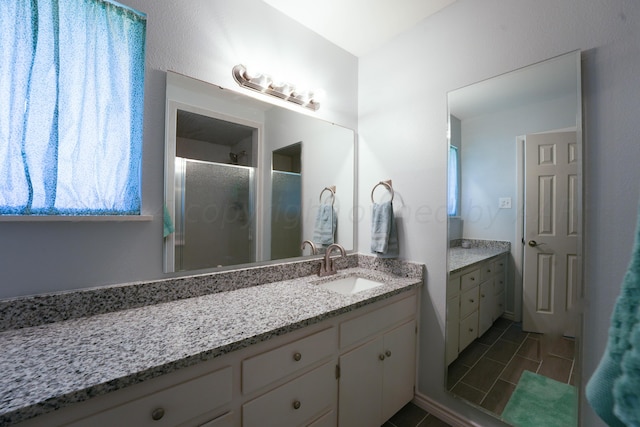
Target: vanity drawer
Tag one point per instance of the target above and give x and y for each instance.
(470, 279)
(469, 302)
(468, 330)
(453, 287)
(296, 403)
(326, 420)
(225, 420)
(172, 406)
(500, 264)
(486, 271)
(265, 368)
(374, 322)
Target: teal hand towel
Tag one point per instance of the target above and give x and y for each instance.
(325, 226)
(384, 233)
(613, 390)
(168, 223)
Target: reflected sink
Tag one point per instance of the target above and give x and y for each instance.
(350, 285)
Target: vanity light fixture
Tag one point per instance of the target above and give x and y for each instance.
(263, 83)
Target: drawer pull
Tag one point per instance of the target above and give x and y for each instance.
(296, 404)
(157, 414)
(297, 357)
(472, 278)
(388, 353)
(381, 356)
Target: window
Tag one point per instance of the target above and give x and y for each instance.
(454, 185)
(71, 90)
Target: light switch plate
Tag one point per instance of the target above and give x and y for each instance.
(504, 203)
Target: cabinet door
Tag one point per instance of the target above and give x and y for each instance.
(487, 307)
(399, 346)
(361, 386)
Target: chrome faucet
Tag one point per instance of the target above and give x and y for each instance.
(314, 250)
(327, 265)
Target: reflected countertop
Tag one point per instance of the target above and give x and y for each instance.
(49, 366)
(480, 250)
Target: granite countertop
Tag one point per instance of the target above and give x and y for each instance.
(460, 258)
(54, 365)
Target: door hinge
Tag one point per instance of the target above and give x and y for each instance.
(337, 371)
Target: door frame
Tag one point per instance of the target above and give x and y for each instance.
(518, 250)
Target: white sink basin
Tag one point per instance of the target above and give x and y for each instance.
(350, 285)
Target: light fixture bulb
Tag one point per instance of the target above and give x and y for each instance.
(263, 83)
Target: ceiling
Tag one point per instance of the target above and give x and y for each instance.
(359, 26)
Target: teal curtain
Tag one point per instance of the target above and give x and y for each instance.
(454, 187)
(71, 87)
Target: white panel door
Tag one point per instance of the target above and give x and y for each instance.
(550, 233)
(360, 390)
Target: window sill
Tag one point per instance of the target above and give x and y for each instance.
(75, 218)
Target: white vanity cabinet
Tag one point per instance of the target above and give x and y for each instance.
(377, 364)
(367, 354)
(475, 299)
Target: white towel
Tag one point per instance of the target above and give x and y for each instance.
(384, 234)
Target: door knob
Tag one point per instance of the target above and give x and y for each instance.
(533, 243)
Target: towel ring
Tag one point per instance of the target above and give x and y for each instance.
(386, 184)
(332, 190)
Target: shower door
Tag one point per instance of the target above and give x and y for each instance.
(214, 215)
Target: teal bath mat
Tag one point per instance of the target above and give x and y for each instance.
(540, 401)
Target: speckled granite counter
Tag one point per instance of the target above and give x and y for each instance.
(53, 365)
(480, 250)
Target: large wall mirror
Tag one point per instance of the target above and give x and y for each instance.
(246, 180)
(515, 206)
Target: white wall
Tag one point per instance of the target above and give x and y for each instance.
(488, 159)
(403, 123)
(203, 39)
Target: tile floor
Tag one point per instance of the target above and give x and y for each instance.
(487, 371)
(413, 416)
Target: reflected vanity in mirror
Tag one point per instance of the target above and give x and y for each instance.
(243, 178)
(515, 197)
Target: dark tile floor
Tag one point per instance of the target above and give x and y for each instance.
(487, 371)
(413, 416)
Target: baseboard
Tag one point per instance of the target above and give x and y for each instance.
(442, 412)
(509, 316)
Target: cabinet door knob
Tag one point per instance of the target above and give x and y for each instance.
(470, 329)
(472, 278)
(381, 356)
(297, 357)
(388, 353)
(471, 301)
(296, 404)
(157, 414)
